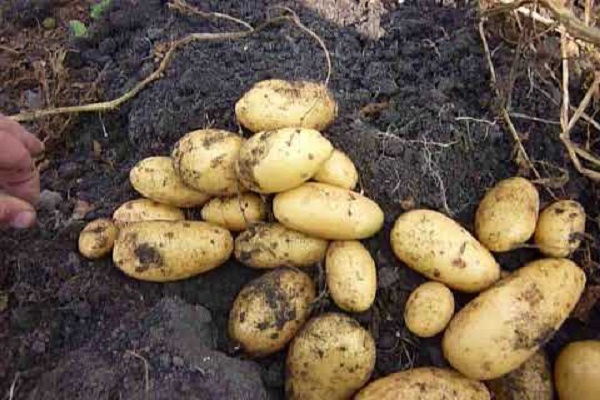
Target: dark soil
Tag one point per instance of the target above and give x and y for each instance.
(417, 117)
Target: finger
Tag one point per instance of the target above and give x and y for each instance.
(22, 184)
(15, 213)
(13, 154)
(31, 143)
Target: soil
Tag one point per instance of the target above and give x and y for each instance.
(417, 116)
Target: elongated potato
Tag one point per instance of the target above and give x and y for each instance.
(270, 310)
(235, 213)
(531, 381)
(439, 248)
(428, 309)
(97, 238)
(275, 104)
(331, 358)
(155, 178)
(507, 215)
(146, 210)
(272, 245)
(339, 171)
(501, 328)
(328, 212)
(560, 227)
(351, 275)
(275, 161)
(424, 384)
(164, 251)
(577, 371)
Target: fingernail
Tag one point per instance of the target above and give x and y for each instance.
(23, 220)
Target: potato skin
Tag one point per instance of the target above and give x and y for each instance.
(577, 371)
(559, 228)
(351, 275)
(235, 213)
(145, 210)
(425, 383)
(520, 313)
(507, 214)
(531, 381)
(272, 245)
(155, 178)
(97, 238)
(275, 104)
(279, 160)
(328, 212)
(439, 248)
(331, 358)
(429, 309)
(338, 170)
(165, 251)
(269, 311)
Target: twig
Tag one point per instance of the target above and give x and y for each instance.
(185, 8)
(13, 387)
(146, 368)
(9, 50)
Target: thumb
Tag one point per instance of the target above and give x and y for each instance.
(15, 212)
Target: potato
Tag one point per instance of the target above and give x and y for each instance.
(275, 104)
(235, 213)
(351, 275)
(270, 310)
(507, 215)
(500, 329)
(145, 210)
(439, 248)
(331, 358)
(97, 238)
(205, 160)
(577, 371)
(559, 229)
(155, 178)
(271, 245)
(275, 161)
(339, 171)
(165, 251)
(429, 309)
(328, 212)
(426, 383)
(531, 381)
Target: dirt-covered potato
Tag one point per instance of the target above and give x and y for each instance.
(235, 213)
(282, 159)
(559, 228)
(164, 251)
(507, 215)
(339, 170)
(351, 275)
(97, 238)
(424, 383)
(156, 179)
(428, 309)
(146, 210)
(272, 245)
(269, 311)
(500, 329)
(439, 248)
(328, 212)
(275, 103)
(577, 371)
(531, 381)
(205, 160)
(331, 358)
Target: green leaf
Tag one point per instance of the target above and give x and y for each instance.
(99, 8)
(78, 28)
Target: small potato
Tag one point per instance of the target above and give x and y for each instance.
(351, 275)
(165, 251)
(275, 104)
(279, 160)
(270, 310)
(205, 160)
(339, 171)
(531, 381)
(429, 309)
(507, 215)
(97, 238)
(577, 371)
(235, 213)
(272, 245)
(331, 358)
(559, 229)
(328, 212)
(155, 178)
(145, 210)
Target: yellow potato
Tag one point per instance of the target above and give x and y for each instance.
(507, 215)
(426, 383)
(235, 213)
(330, 359)
(351, 275)
(270, 310)
(560, 227)
(146, 210)
(439, 248)
(164, 251)
(275, 161)
(271, 245)
(328, 212)
(155, 178)
(205, 160)
(577, 371)
(531, 381)
(275, 104)
(500, 329)
(97, 238)
(339, 171)
(429, 309)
